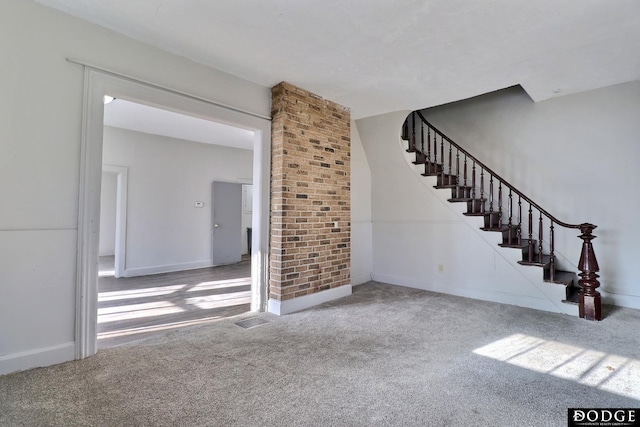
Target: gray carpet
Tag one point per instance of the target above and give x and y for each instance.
(385, 356)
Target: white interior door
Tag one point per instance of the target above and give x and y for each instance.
(226, 205)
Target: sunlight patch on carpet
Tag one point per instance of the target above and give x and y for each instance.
(609, 372)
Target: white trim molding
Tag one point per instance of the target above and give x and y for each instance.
(538, 303)
(174, 91)
(307, 301)
(37, 358)
(158, 269)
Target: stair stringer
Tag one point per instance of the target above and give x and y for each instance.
(554, 293)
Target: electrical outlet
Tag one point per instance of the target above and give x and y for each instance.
(440, 268)
(198, 204)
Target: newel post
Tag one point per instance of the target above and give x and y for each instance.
(590, 305)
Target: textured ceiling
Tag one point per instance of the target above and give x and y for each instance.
(380, 56)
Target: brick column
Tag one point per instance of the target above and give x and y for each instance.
(310, 194)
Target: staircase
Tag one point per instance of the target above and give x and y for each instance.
(505, 210)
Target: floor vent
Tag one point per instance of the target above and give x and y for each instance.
(251, 322)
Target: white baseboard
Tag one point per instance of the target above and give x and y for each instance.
(360, 279)
(301, 303)
(493, 296)
(157, 269)
(36, 358)
(620, 300)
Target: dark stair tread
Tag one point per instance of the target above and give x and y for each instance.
(452, 177)
(572, 295)
(411, 150)
(545, 261)
(514, 245)
(560, 277)
(434, 171)
(476, 213)
(460, 190)
(499, 229)
(445, 186)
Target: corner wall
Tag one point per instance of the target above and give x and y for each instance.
(310, 199)
(361, 237)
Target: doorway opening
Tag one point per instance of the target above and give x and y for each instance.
(201, 292)
(148, 278)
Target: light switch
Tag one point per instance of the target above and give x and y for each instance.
(199, 204)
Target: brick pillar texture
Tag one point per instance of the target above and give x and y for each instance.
(310, 194)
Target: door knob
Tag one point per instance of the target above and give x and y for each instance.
(215, 226)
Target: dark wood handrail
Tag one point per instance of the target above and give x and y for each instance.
(589, 299)
(504, 181)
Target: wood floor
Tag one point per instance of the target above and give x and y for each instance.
(133, 308)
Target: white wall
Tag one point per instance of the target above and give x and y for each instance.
(40, 133)
(361, 237)
(165, 232)
(577, 156)
(108, 204)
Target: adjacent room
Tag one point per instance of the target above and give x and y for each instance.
(175, 222)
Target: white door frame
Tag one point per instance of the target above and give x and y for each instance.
(98, 83)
